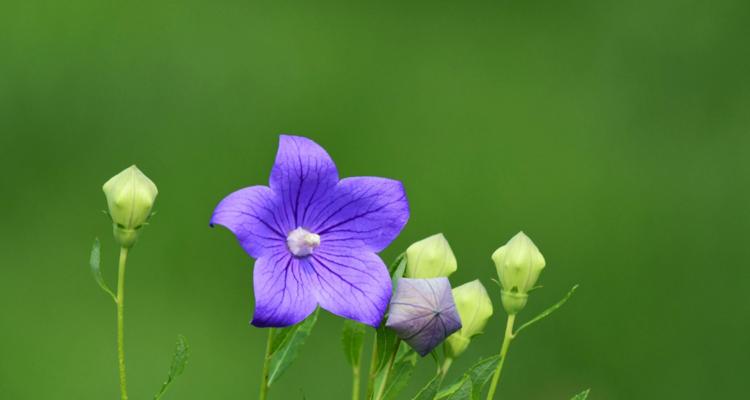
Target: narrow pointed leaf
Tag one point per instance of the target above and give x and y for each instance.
(400, 375)
(548, 311)
(476, 377)
(447, 391)
(95, 264)
(460, 390)
(179, 361)
(279, 336)
(480, 374)
(286, 345)
(386, 344)
(397, 270)
(396, 263)
(582, 396)
(429, 390)
(352, 339)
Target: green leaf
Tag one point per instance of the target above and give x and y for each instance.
(386, 338)
(400, 375)
(476, 377)
(548, 311)
(582, 396)
(429, 390)
(285, 346)
(445, 392)
(396, 263)
(352, 338)
(95, 263)
(386, 345)
(179, 361)
(460, 390)
(480, 374)
(397, 269)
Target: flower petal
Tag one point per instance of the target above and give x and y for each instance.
(302, 174)
(252, 215)
(367, 210)
(351, 284)
(283, 297)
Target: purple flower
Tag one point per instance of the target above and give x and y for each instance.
(423, 313)
(315, 237)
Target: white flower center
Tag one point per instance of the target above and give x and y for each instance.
(302, 242)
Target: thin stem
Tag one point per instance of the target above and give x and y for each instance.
(373, 365)
(445, 367)
(266, 365)
(121, 323)
(503, 353)
(356, 372)
(381, 389)
(355, 381)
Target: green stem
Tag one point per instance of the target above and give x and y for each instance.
(503, 353)
(120, 322)
(266, 365)
(381, 389)
(373, 366)
(445, 367)
(355, 382)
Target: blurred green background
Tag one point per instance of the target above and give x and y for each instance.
(614, 133)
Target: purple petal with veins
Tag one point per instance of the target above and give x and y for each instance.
(423, 313)
(315, 237)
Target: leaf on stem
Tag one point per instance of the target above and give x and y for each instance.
(548, 311)
(386, 345)
(429, 390)
(396, 263)
(397, 269)
(95, 264)
(352, 338)
(179, 361)
(400, 374)
(582, 396)
(285, 346)
(470, 386)
(460, 390)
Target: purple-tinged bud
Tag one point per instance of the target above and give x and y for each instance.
(423, 313)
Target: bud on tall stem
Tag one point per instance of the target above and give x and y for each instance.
(518, 264)
(130, 197)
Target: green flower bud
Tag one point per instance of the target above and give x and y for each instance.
(430, 258)
(518, 264)
(130, 196)
(475, 309)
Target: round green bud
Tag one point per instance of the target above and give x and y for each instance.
(475, 309)
(130, 196)
(430, 258)
(518, 264)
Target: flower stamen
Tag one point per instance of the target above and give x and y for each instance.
(302, 242)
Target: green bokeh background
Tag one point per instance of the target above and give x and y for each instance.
(614, 133)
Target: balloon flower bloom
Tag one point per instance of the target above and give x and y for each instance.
(315, 237)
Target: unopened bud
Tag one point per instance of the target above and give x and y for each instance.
(475, 309)
(430, 258)
(130, 196)
(518, 264)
